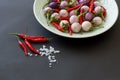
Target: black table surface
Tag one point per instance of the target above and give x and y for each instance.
(96, 58)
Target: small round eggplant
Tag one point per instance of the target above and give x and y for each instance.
(86, 25)
(97, 20)
(63, 13)
(73, 19)
(76, 27)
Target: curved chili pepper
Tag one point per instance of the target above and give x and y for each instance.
(75, 7)
(31, 47)
(23, 47)
(55, 24)
(91, 5)
(105, 12)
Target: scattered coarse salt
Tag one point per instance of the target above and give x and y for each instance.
(30, 54)
(49, 53)
(56, 52)
(36, 54)
(50, 63)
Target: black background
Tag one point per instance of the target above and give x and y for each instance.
(96, 58)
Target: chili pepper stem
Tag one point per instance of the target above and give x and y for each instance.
(13, 34)
(49, 39)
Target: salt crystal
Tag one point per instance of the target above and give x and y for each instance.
(36, 54)
(53, 61)
(50, 63)
(56, 52)
(50, 66)
(44, 46)
(49, 57)
(53, 57)
(43, 53)
(41, 49)
(49, 53)
(51, 48)
(30, 54)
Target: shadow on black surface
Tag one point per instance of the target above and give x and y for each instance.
(97, 40)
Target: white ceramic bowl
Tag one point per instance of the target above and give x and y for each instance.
(112, 14)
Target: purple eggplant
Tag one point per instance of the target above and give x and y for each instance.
(53, 0)
(84, 1)
(53, 5)
(89, 16)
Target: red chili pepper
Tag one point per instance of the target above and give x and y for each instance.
(64, 18)
(81, 20)
(58, 0)
(56, 10)
(31, 47)
(22, 45)
(91, 5)
(82, 17)
(55, 24)
(105, 12)
(39, 39)
(70, 30)
(93, 11)
(75, 7)
(32, 38)
(23, 36)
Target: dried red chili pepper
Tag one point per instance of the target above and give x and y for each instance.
(91, 5)
(22, 45)
(75, 7)
(31, 47)
(55, 24)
